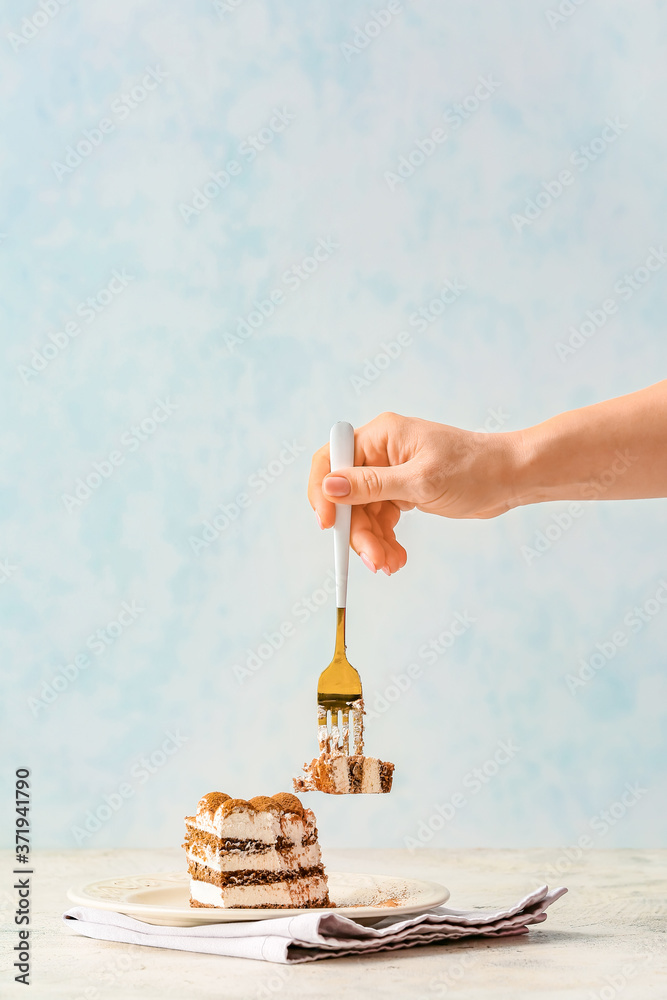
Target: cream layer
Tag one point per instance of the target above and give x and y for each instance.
(334, 774)
(249, 824)
(270, 860)
(339, 771)
(306, 890)
(370, 776)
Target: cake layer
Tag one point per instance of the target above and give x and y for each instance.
(212, 840)
(249, 876)
(257, 853)
(261, 820)
(338, 774)
(269, 858)
(303, 892)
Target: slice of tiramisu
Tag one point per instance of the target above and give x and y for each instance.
(261, 853)
(341, 775)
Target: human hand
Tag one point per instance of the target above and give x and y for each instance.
(404, 462)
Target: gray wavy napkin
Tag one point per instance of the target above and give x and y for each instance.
(311, 936)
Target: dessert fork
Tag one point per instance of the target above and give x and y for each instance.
(339, 696)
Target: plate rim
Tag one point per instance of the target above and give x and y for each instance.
(196, 916)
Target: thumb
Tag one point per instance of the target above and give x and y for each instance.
(367, 483)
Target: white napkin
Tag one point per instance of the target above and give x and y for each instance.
(310, 936)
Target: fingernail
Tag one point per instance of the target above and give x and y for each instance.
(366, 561)
(319, 520)
(385, 569)
(336, 486)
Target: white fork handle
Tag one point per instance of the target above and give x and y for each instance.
(341, 448)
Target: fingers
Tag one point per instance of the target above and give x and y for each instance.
(372, 529)
(380, 485)
(386, 519)
(372, 537)
(367, 484)
(324, 508)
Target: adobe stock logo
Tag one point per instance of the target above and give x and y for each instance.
(89, 310)
(32, 25)
(600, 824)
(564, 10)
(256, 484)
(561, 523)
(421, 319)
(292, 279)
(634, 621)
(98, 642)
(248, 150)
(424, 148)
(130, 441)
(472, 784)
(121, 107)
(141, 770)
(625, 288)
(223, 7)
(581, 158)
(431, 651)
(302, 610)
(6, 570)
(364, 35)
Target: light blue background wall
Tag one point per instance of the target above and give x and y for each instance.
(165, 336)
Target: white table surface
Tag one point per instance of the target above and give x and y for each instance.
(604, 939)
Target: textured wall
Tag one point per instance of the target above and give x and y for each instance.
(176, 340)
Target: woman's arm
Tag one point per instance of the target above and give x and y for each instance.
(609, 451)
(614, 450)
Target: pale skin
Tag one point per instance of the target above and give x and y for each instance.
(614, 450)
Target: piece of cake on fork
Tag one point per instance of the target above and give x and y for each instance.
(261, 853)
(338, 774)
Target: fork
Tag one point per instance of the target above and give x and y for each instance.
(339, 695)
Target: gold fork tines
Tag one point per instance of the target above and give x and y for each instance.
(339, 701)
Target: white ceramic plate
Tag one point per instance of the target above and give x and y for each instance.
(164, 899)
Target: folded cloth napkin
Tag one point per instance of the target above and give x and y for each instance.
(310, 936)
